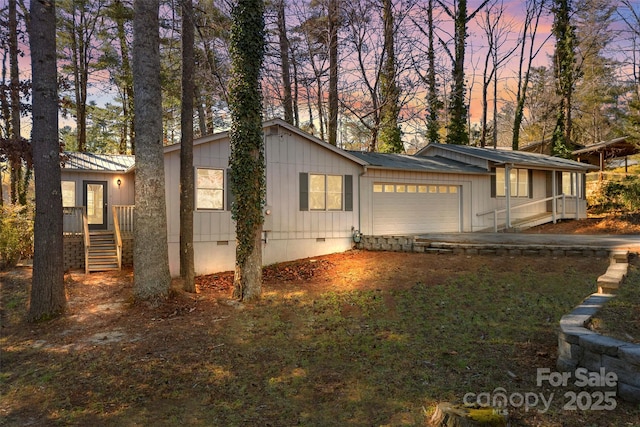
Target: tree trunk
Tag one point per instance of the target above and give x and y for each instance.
(186, 150)
(287, 102)
(433, 102)
(390, 136)
(333, 72)
(150, 255)
(47, 289)
(247, 145)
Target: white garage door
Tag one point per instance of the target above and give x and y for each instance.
(414, 208)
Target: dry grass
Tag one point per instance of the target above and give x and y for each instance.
(354, 339)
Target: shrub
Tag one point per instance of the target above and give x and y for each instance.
(16, 234)
(616, 196)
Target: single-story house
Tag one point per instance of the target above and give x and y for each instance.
(319, 197)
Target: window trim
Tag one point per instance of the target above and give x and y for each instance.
(75, 193)
(498, 190)
(197, 189)
(304, 192)
(326, 192)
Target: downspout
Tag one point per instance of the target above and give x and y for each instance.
(359, 192)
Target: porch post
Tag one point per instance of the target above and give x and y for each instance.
(507, 193)
(553, 194)
(577, 191)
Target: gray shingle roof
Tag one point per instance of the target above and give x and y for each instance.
(98, 162)
(532, 160)
(425, 164)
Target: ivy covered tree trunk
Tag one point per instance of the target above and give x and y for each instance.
(247, 146)
(564, 60)
(390, 138)
(150, 253)
(434, 104)
(457, 128)
(47, 289)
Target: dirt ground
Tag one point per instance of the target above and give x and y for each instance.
(97, 311)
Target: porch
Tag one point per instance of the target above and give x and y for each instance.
(515, 218)
(97, 249)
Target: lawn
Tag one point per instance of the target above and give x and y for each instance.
(354, 339)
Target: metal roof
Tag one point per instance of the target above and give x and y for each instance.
(531, 160)
(415, 163)
(97, 162)
(617, 147)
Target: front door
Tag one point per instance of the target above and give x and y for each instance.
(95, 201)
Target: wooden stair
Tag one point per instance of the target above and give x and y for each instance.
(103, 251)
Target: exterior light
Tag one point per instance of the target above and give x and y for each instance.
(119, 181)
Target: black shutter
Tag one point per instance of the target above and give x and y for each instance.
(348, 193)
(530, 178)
(230, 196)
(493, 182)
(304, 191)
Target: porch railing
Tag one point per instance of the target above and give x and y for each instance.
(554, 212)
(87, 240)
(72, 220)
(124, 215)
(118, 236)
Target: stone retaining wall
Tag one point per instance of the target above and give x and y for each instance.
(580, 347)
(413, 244)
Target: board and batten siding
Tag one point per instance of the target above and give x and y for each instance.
(289, 234)
(116, 195)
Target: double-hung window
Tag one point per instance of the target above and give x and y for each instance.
(209, 189)
(519, 182)
(326, 192)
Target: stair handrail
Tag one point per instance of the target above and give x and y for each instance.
(116, 227)
(86, 238)
(495, 212)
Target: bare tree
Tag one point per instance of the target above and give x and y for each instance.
(81, 22)
(497, 33)
(287, 101)
(334, 23)
(457, 128)
(47, 288)
(528, 52)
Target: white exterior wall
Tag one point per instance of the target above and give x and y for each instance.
(290, 233)
(116, 195)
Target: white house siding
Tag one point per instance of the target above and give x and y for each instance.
(466, 184)
(289, 233)
(292, 233)
(116, 195)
